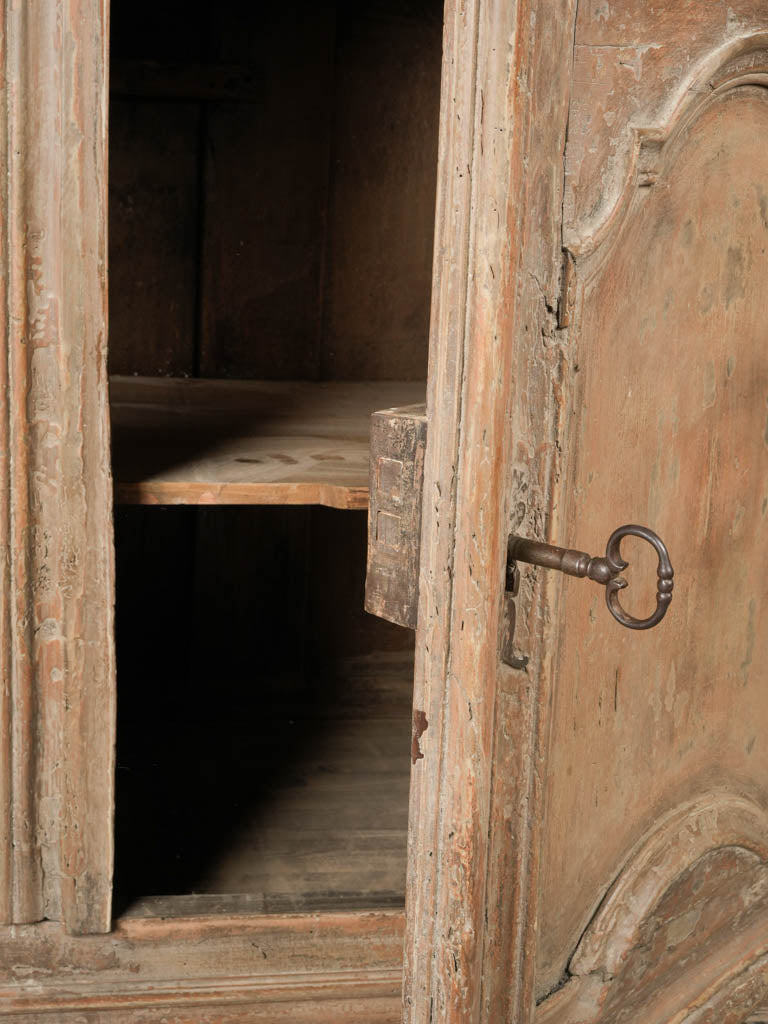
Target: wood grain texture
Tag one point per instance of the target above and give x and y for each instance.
(320, 968)
(666, 425)
(56, 618)
(470, 924)
(229, 443)
(682, 926)
(398, 441)
(633, 65)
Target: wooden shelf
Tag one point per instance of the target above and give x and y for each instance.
(321, 823)
(221, 442)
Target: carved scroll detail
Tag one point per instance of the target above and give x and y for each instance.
(715, 822)
(739, 62)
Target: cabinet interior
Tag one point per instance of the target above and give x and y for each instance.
(271, 188)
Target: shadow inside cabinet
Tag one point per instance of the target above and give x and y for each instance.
(264, 718)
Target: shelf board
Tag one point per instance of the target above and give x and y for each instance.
(225, 442)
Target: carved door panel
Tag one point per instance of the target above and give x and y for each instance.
(653, 886)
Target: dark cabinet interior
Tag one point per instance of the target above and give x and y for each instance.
(272, 180)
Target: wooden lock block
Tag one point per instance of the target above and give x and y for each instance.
(398, 441)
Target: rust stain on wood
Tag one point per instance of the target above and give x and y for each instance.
(420, 724)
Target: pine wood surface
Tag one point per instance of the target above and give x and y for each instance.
(57, 704)
(298, 795)
(207, 442)
(474, 812)
(663, 422)
(221, 969)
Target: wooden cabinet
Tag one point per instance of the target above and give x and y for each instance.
(240, 798)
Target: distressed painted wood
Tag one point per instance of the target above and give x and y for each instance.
(587, 829)
(693, 892)
(398, 440)
(57, 705)
(664, 389)
(469, 925)
(524, 798)
(634, 65)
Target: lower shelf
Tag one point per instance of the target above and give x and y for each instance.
(217, 442)
(321, 812)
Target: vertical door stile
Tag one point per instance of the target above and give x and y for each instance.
(492, 361)
(56, 593)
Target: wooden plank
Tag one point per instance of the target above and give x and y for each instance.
(204, 904)
(56, 598)
(398, 441)
(471, 897)
(325, 968)
(246, 442)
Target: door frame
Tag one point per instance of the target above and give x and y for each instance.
(57, 707)
(495, 364)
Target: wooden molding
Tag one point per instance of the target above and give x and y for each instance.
(737, 62)
(323, 968)
(57, 704)
(681, 841)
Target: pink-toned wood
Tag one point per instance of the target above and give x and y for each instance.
(497, 262)
(323, 968)
(664, 178)
(693, 891)
(634, 64)
(665, 388)
(56, 591)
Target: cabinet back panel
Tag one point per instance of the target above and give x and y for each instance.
(272, 189)
(153, 236)
(379, 261)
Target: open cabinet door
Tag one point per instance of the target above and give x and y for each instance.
(589, 809)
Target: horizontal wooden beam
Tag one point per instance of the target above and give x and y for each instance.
(341, 968)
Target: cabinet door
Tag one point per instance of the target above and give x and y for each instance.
(590, 804)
